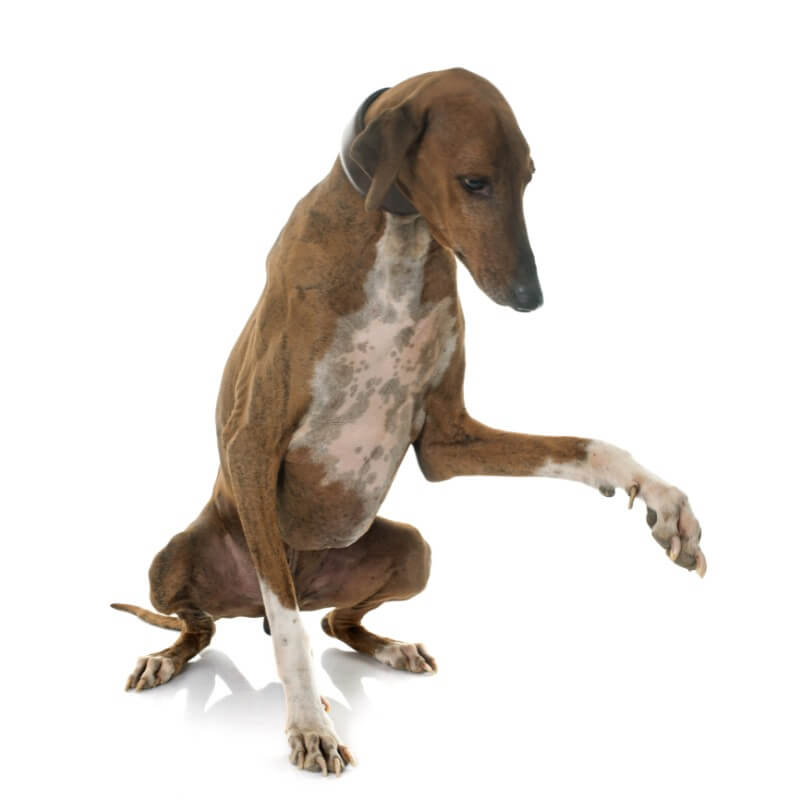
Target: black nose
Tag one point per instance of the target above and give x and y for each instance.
(527, 296)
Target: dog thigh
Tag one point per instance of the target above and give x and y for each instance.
(390, 561)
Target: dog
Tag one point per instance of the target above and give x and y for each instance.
(354, 352)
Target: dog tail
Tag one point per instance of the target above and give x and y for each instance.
(159, 620)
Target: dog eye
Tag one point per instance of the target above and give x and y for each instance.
(474, 184)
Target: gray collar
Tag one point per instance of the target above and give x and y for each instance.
(395, 201)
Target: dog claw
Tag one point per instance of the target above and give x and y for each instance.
(632, 492)
(674, 548)
(325, 704)
(700, 563)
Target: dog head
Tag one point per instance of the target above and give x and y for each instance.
(450, 142)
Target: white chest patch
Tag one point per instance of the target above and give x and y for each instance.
(368, 389)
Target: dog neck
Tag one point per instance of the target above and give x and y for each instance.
(395, 201)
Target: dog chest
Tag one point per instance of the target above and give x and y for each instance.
(368, 388)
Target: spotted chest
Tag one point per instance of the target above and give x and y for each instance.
(368, 389)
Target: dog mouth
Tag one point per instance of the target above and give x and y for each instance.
(523, 297)
(529, 305)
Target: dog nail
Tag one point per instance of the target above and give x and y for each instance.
(632, 492)
(700, 564)
(674, 548)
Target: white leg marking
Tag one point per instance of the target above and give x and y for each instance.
(312, 738)
(607, 467)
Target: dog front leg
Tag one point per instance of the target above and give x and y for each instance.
(456, 444)
(313, 742)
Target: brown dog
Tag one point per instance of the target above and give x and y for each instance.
(355, 351)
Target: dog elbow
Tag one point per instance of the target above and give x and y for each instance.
(432, 462)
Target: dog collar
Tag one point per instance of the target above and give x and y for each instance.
(395, 201)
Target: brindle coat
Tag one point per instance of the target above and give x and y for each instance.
(355, 351)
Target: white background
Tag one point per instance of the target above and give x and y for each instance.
(151, 152)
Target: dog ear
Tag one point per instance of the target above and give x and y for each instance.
(381, 147)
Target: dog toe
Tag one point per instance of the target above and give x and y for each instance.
(318, 752)
(408, 657)
(151, 671)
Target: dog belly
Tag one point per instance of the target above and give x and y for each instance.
(318, 511)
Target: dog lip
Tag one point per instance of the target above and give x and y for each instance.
(535, 303)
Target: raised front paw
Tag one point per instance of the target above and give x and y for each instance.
(673, 524)
(316, 747)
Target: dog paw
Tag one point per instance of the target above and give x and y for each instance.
(674, 526)
(410, 657)
(151, 671)
(317, 749)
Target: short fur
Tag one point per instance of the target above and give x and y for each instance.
(355, 351)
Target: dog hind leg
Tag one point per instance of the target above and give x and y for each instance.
(391, 561)
(201, 575)
(157, 668)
